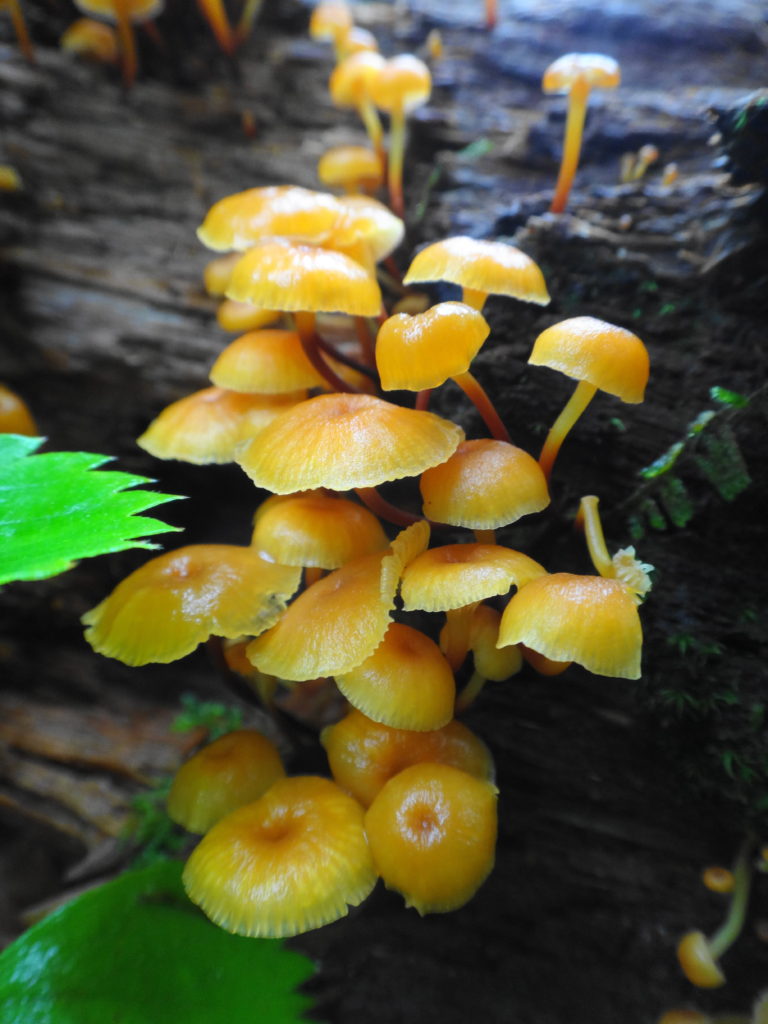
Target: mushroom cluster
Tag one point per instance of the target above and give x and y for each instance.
(337, 583)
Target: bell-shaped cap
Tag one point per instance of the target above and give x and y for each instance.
(337, 622)
(494, 268)
(432, 833)
(595, 70)
(345, 441)
(293, 860)
(236, 317)
(316, 529)
(174, 602)
(350, 167)
(455, 575)
(485, 484)
(423, 351)
(611, 358)
(286, 211)
(269, 361)
(402, 84)
(587, 619)
(405, 683)
(210, 425)
(234, 770)
(364, 755)
(351, 80)
(284, 275)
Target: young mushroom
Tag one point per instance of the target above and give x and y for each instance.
(124, 14)
(576, 74)
(92, 40)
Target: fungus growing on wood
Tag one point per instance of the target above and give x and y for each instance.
(576, 74)
(269, 361)
(351, 168)
(363, 755)
(350, 86)
(405, 682)
(92, 40)
(600, 356)
(15, 416)
(210, 425)
(294, 860)
(403, 84)
(124, 14)
(587, 619)
(432, 833)
(174, 602)
(481, 268)
(234, 770)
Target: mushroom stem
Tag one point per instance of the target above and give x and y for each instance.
(395, 162)
(589, 518)
(312, 573)
(491, 14)
(558, 432)
(20, 28)
(372, 124)
(249, 14)
(342, 357)
(485, 536)
(477, 395)
(215, 14)
(127, 42)
(371, 498)
(574, 130)
(422, 399)
(474, 298)
(305, 328)
(731, 927)
(365, 341)
(469, 693)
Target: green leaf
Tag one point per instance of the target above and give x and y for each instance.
(54, 509)
(136, 951)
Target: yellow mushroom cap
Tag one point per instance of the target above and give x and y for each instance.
(492, 267)
(289, 211)
(697, 962)
(337, 622)
(403, 83)
(331, 19)
(15, 417)
(315, 529)
(209, 425)
(283, 275)
(136, 10)
(218, 271)
(492, 662)
(587, 619)
(350, 81)
(484, 485)
(236, 317)
(291, 861)
(364, 220)
(423, 351)
(432, 833)
(405, 683)
(364, 754)
(350, 166)
(459, 574)
(234, 770)
(92, 39)
(594, 69)
(609, 357)
(268, 361)
(344, 441)
(174, 602)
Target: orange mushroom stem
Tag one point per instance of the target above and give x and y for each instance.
(305, 328)
(215, 14)
(248, 16)
(20, 28)
(560, 429)
(127, 39)
(478, 396)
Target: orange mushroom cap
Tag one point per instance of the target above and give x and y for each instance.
(209, 425)
(234, 770)
(595, 69)
(697, 961)
(240, 220)
(136, 10)
(455, 575)
(364, 754)
(587, 619)
(365, 221)
(405, 683)
(269, 361)
(403, 83)
(283, 275)
(92, 39)
(350, 167)
(291, 861)
(422, 351)
(174, 602)
(485, 484)
(218, 271)
(492, 662)
(432, 833)
(236, 317)
(493, 268)
(351, 79)
(15, 417)
(331, 19)
(315, 529)
(610, 358)
(344, 441)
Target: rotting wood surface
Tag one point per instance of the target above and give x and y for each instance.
(104, 322)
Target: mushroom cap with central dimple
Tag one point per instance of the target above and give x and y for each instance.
(345, 441)
(594, 69)
(609, 357)
(483, 266)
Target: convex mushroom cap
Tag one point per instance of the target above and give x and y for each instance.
(597, 70)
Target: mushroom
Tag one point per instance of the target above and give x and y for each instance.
(576, 74)
(91, 39)
(600, 356)
(236, 317)
(124, 14)
(294, 860)
(364, 755)
(174, 602)
(490, 662)
(15, 417)
(331, 20)
(269, 362)
(234, 770)
(481, 268)
(351, 168)
(350, 86)
(432, 834)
